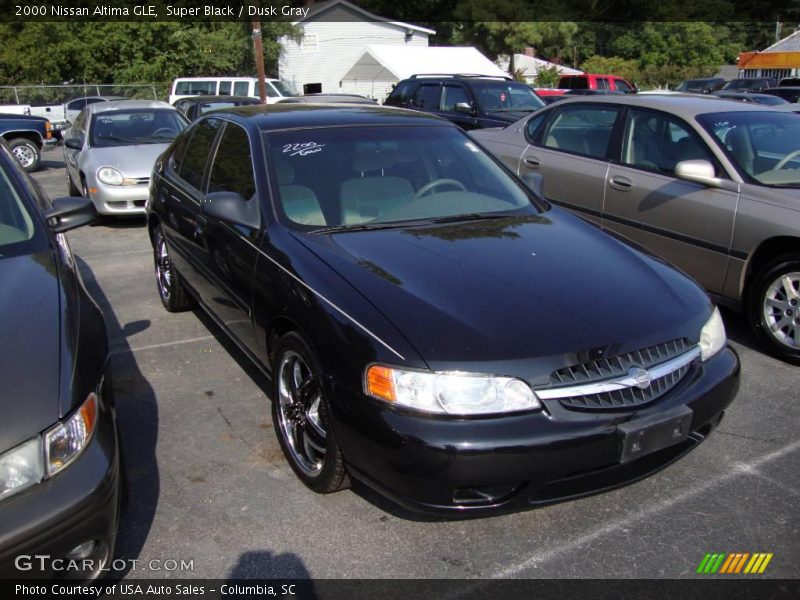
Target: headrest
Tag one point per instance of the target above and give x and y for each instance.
(370, 159)
(285, 172)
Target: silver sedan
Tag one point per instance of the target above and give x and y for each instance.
(713, 186)
(111, 148)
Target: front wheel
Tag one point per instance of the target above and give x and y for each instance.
(301, 417)
(171, 289)
(774, 308)
(26, 153)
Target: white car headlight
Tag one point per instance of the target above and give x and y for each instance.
(64, 442)
(450, 393)
(21, 467)
(712, 336)
(110, 176)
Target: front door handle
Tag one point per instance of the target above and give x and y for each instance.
(620, 183)
(531, 162)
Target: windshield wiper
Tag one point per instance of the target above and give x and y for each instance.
(360, 227)
(468, 217)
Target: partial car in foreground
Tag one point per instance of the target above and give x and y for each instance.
(710, 185)
(430, 326)
(328, 99)
(788, 93)
(752, 98)
(111, 148)
(749, 84)
(59, 457)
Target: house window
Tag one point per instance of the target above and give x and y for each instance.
(309, 43)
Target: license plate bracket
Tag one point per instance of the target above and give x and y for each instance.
(651, 434)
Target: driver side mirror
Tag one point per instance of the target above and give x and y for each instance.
(702, 172)
(74, 143)
(230, 207)
(70, 212)
(464, 107)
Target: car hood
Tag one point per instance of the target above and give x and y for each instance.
(30, 309)
(132, 161)
(540, 288)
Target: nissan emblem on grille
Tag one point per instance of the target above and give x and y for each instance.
(641, 378)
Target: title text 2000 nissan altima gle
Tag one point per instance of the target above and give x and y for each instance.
(431, 328)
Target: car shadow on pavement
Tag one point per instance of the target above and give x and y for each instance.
(262, 564)
(134, 222)
(137, 415)
(738, 330)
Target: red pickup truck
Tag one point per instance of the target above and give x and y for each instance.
(589, 83)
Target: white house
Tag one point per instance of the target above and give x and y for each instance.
(529, 65)
(379, 67)
(335, 34)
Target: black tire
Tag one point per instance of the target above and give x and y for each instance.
(171, 288)
(301, 417)
(72, 189)
(27, 153)
(773, 309)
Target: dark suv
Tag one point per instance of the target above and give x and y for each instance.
(469, 101)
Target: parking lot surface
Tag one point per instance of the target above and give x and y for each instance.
(209, 485)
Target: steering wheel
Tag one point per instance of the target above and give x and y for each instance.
(784, 160)
(436, 183)
(161, 130)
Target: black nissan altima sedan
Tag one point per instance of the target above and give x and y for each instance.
(59, 460)
(430, 326)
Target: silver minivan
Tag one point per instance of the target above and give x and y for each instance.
(712, 186)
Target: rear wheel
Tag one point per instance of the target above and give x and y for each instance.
(774, 307)
(26, 153)
(171, 289)
(301, 417)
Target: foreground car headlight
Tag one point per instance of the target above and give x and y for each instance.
(64, 442)
(450, 393)
(20, 467)
(110, 176)
(712, 336)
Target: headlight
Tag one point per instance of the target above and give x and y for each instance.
(712, 336)
(450, 393)
(64, 442)
(21, 467)
(110, 176)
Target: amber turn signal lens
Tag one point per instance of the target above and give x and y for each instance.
(380, 383)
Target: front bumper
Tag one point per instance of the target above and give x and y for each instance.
(495, 464)
(40, 525)
(119, 199)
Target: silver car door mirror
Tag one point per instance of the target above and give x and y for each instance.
(702, 172)
(463, 107)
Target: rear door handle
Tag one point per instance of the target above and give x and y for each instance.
(531, 162)
(620, 183)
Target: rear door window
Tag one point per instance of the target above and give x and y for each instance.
(193, 165)
(241, 88)
(233, 164)
(582, 130)
(427, 96)
(453, 94)
(225, 88)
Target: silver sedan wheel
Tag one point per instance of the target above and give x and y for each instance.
(163, 268)
(299, 399)
(781, 306)
(25, 155)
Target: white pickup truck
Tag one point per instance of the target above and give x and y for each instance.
(55, 113)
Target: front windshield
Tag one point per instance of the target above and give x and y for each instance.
(284, 88)
(139, 126)
(369, 177)
(769, 100)
(739, 84)
(499, 96)
(765, 145)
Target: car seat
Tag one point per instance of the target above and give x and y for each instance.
(299, 202)
(368, 196)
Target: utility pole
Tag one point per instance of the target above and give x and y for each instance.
(258, 50)
(777, 31)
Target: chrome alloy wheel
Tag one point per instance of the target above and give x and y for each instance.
(25, 155)
(163, 268)
(781, 307)
(299, 399)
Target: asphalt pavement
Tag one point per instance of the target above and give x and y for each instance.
(209, 486)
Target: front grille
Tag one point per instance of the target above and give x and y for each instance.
(572, 386)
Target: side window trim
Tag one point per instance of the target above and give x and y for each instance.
(212, 153)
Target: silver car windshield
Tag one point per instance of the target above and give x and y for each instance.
(130, 127)
(764, 145)
(367, 177)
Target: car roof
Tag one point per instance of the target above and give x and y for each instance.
(102, 107)
(221, 98)
(299, 115)
(683, 105)
(107, 98)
